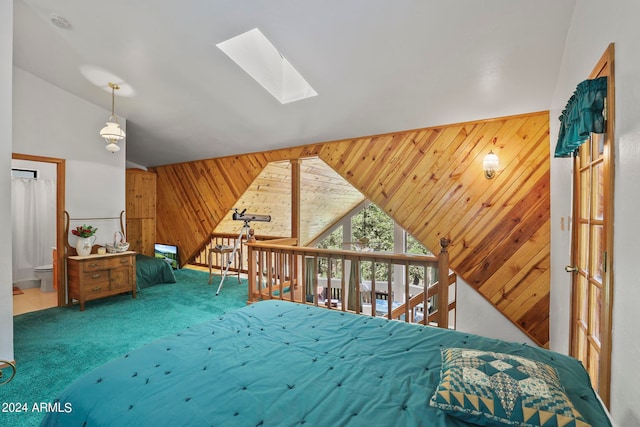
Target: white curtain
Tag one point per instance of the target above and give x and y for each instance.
(33, 212)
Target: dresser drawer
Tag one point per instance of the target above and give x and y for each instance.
(96, 282)
(95, 264)
(120, 261)
(93, 277)
(106, 263)
(96, 288)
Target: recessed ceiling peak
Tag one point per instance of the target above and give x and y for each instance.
(256, 55)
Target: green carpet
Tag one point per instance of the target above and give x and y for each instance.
(55, 346)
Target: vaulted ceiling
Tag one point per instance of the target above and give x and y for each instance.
(325, 197)
(378, 66)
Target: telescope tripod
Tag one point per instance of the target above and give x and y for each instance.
(244, 230)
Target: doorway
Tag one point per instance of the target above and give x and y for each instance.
(59, 259)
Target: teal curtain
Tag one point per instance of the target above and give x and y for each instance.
(582, 115)
(308, 280)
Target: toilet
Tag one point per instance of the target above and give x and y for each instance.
(45, 274)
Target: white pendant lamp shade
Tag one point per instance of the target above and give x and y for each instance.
(113, 147)
(112, 132)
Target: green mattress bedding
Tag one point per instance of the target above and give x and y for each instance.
(152, 271)
(277, 363)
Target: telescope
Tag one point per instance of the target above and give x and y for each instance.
(242, 216)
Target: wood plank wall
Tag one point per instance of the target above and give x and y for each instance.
(194, 197)
(428, 180)
(324, 197)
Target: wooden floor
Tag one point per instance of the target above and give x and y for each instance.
(33, 300)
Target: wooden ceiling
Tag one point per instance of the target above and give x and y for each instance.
(325, 197)
(429, 180)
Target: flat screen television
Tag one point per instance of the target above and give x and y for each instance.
(168, 253)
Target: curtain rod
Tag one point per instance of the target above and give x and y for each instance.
(94, 218)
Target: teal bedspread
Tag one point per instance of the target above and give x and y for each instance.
(151, 271)
(277, 363)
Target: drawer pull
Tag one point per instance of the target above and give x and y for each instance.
(97, 288)
(96, 276)
(93, 265)
(124, 261)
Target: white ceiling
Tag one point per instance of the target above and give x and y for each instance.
(378, 66)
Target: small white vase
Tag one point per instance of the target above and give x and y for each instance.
(84, 244)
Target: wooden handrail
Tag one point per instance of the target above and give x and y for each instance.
(413, 303)
(277, 268)
(349, 254)
(419, 298)
(443, 277)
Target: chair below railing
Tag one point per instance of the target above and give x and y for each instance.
(280, 270)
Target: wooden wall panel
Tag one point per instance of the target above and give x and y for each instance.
(194, 197)
(325, 196)
(431, 182)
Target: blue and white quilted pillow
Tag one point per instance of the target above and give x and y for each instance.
(488, 388)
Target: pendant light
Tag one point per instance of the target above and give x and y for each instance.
(112, 133)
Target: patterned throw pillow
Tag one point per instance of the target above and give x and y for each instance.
(489, 388)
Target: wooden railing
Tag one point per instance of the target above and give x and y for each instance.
(239, 262)
(279, 269)
(433, 313)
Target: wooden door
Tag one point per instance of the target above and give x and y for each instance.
(141, 194)
(592, 247)
(141, 235)
(141, 211)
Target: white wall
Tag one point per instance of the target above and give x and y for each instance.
(49, 121)
(476, 315)
(6, 61)
(595, 25)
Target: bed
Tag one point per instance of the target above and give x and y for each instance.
(152, 271)
(276, 363)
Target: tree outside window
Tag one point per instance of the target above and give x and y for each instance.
(413, 246)
(332, 241)
(372, 230)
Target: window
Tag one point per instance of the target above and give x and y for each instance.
(332, 241)
(24, 173)
(413, 246)
(373, 230)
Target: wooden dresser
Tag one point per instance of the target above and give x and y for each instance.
(98, 276)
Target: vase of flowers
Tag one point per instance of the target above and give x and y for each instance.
(86, 239)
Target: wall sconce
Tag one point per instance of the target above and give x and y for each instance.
(490, 165)
(112, 133)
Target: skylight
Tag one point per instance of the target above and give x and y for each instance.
(255, 54)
